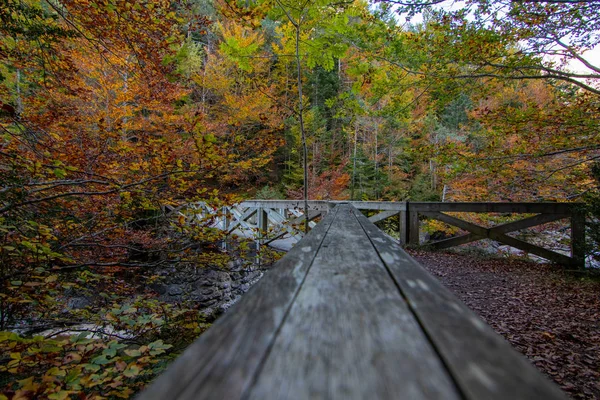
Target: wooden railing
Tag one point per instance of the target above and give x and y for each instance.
(544, 213)
(272, 220)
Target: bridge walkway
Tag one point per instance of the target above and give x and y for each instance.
(347, 314)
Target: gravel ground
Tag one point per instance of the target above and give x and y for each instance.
(551, 317)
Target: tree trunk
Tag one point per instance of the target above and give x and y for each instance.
(354, 161)
(302, 133)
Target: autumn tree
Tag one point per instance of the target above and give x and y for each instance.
(513, 40)
(101, 134)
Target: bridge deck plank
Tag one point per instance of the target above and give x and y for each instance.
(481, 362)
(349, 334)
(348, 314)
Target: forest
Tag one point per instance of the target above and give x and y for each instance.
(114, 112)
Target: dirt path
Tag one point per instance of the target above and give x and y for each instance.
(552, 318)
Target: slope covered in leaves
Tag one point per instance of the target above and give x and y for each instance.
(548, 315)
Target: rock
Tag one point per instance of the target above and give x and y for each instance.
(76, 303)
(235, 265)
(214, 290)
(159, 288)
(174, 290)
(225, 285)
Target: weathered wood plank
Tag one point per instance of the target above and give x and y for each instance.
(378, 205)
(311, 215)
(349, 333)
(223, 361)
(382, 215)
(413, 227)
(226, 218)
(317, 205)
(455, 241)
(323, 205)
(481, 362)
(504, 228)
(501, 237)
(530, 248)
(402, 227)
(242, 219)
(528, 208)
(262, 217)
(528, 222)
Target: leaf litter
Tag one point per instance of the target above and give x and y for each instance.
(550, 316)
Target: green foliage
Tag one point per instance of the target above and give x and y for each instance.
(269, 193)
(189, 58)
(71, 365)
(129, 345)
(422, 189)
(322, 85)
(32, 21)
(370, 179)
(241, 46)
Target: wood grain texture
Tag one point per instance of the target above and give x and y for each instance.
(530, 208)
(324, 205)
(454, 241)
(481, 362)
(529, 222)
(413, 227)
(382, 215)
(402, 228)
(503, 228)
(350, 334)
(496, 234)
(319, 205)
(241, 220)
(222, 362)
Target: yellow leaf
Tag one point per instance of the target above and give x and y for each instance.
(29, 385)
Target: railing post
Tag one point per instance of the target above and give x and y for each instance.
(330, 206)
(225, 227)
(578, 237)
(225, 219)
(413, 225)
(262, 220)
(402, 226)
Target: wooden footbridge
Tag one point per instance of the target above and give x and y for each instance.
(347, 314)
